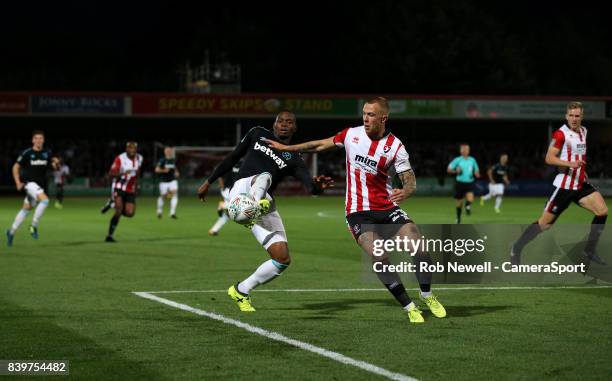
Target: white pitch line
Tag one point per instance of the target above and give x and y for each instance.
(475, 288)
(283, 339)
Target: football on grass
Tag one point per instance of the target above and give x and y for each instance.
(243, 208)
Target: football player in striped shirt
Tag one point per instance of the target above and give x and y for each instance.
(567, 152)
(373, 157)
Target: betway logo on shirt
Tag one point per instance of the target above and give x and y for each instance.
(268, 151)
(366, 161)
(38, 162)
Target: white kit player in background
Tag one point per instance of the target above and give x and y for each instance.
(568, 152)
(60, 176)
(498, 180)
(168, 185)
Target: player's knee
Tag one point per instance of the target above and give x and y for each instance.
(602, 211)
(263, 177)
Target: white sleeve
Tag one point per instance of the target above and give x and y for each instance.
(402, 164)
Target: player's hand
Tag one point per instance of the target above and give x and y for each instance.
(19, 185)
(398, 195)
(323, 182)
(203, 190)
(577, 164)
(458, 170)
(276, 145)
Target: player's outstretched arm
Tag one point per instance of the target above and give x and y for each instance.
(408, 180)
(311, 146)
(552, 158)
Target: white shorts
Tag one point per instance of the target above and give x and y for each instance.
(496, 189)
(169, 186)
(32, 191)
(269, 229)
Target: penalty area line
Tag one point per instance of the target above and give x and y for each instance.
(281, 338)
(466, 288)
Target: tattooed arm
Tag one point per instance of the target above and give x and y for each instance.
(408, 187)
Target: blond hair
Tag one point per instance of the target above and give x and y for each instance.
(573, 105)
(382, 102)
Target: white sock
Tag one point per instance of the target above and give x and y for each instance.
(498, 201)
(38, 212)
(173, 204)
(220, 222)
(267, 271)
(486, 197)
(260, 186)
(21, 215)
(425, 294)
(160, 204)
(410, 306)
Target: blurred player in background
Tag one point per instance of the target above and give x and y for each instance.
(124, 171)
(226, 182)
(262, 170)
(373, 157)
(466, 170)
(30, 175)
(168, 186)
(567, 152)
(60, 176)
(498, 179)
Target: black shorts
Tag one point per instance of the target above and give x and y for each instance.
(361, 222)
(462, 188)
(127, 197)
(562, 198)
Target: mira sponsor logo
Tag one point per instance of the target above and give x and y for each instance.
(366, 161)
(38, 162)
(268, 151)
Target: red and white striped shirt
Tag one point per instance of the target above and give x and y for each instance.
(573, 147)
(370, 166)
(128, 169)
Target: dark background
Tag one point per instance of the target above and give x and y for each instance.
(426, 47)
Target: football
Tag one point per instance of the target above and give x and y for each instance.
(243, 208)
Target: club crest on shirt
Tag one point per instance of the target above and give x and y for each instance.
(355, 140)
(386, 149)
(286, 155)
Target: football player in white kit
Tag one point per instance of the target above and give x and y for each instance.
(373, 157)
(568, 152)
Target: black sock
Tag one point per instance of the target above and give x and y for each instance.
(113, 225)
(597, 227)
(423, 277)
(468, 205)
(530, 233)
(458, 214)
(395, 286)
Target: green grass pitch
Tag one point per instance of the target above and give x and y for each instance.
(68, 295)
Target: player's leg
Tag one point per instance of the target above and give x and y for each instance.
(270, 233)
(545, 222)
(19, 218)
(595, 203)
(163, 189)
(129, 208)
(59, 195)
(422, 259)
(469, 199)
(458, 208)
(173, 198)
(487, 196)
(498, 198)
(118, 201)
(42, 203)
(222, 212)
(259, 188)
